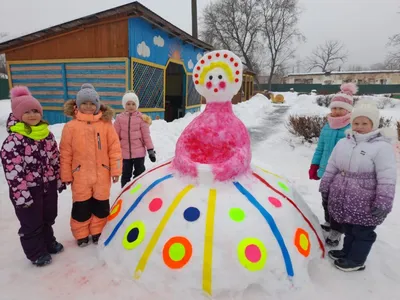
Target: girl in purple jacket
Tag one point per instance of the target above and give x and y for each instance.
(359, 185)
(30, 159)
(134, 133)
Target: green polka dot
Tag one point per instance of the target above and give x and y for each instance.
(236, 214)
(177, 252)
(135, 189)
(283, 186)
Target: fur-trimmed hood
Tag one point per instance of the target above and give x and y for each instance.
(70, 110)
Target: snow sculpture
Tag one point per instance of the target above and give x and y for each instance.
(207, 222)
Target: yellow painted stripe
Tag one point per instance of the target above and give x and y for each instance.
(43, 76)
(34, 93)
(157, 233)
(50, 84)
(51, 100)
(208, 242)
(101, 67)
(268, 172)
(73, 60)
(119, 76)
(95, 84)
(33, 68)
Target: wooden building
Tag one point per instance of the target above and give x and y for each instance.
(124, 48)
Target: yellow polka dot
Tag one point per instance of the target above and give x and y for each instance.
(303, 242)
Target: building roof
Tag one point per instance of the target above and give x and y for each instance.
(344, 72)
(134, 9)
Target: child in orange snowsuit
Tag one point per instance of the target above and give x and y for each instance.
(90, 158)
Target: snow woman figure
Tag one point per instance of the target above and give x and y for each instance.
(30, 159)
(359, 185)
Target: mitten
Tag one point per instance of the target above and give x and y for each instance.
(152, 155)
(378, 212)
(312, 173)
(61, 186)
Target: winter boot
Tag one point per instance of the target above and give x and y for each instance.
(95, 238)
(337, 254)
(326, 226)
(83, 242)
(333, 238)
(43, 260)
(55, 248)
(346, 265)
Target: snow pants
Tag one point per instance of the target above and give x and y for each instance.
(133, 166)
(358, 241)
(36, 232)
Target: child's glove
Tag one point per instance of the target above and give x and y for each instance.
(379, 213)
(313, 172)
(325, 197)
(61, 186)
(152, 155)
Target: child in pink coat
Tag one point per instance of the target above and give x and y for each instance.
(134, 133)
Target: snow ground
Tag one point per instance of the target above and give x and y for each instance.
(79, 274)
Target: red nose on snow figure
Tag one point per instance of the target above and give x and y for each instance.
(216, 139)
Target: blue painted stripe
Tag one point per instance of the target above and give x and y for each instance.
(100, 89)
(95, 72)
(97, 80)
(134, 205)
(64, 78)
(116, 63)
(105, 98)
(272, 225)
(40, 96)
(36, 72)
(45, 88)
(35, 65)
(38, 80)
(52, 104)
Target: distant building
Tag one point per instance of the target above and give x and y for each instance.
(359, 77)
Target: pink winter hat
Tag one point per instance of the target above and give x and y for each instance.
(23, 101)
(344, 99)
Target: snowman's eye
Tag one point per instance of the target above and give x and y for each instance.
(210, 77)
(220, 76)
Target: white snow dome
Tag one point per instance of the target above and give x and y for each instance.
(208, 223)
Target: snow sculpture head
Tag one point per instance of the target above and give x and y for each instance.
(218, 76)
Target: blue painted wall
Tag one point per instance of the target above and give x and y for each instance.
(154, 45)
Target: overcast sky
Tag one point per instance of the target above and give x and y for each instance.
(363, 25)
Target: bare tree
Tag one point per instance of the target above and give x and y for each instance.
(393, 58)
(233, 25)
(279, 28)
(327, 55)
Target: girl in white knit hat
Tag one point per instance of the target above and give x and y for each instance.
(359, 185)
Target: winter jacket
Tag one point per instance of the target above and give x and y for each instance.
(134, 134)
(327, 141)
(90, 152)
(360, 176)
(28, 163)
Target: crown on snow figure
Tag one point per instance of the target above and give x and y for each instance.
(218, 76)
(215, 146)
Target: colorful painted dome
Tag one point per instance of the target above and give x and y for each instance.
(207, 221)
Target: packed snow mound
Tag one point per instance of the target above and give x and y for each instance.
(174, 236)
(208, 222)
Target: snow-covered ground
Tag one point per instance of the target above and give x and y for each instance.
(80, 274)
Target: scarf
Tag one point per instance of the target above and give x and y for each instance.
(339, 122)
(39, 132)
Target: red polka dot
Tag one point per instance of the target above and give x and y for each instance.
(275, 202)
(202, 61)
(237, 72)
(196, 82)
(155, 204)
(217, 54)
(236, 80)
(196, 75)
(236, 64)
(253, 253)
(216, 90)
(209, 57)
(232, 59)
(198, 68)
(225, 55)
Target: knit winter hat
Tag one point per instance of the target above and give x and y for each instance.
(369, 110)
(88, 93)
(130, 96)
(23, 101)
(344, 99)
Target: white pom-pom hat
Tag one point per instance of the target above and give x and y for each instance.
(366, 109)
(130, 96)
(344, 99)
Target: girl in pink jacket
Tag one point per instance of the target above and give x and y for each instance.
(134, 133)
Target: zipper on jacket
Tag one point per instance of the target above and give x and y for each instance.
(107, 167)
(129, 136)
(98, 141)
(76, 169)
